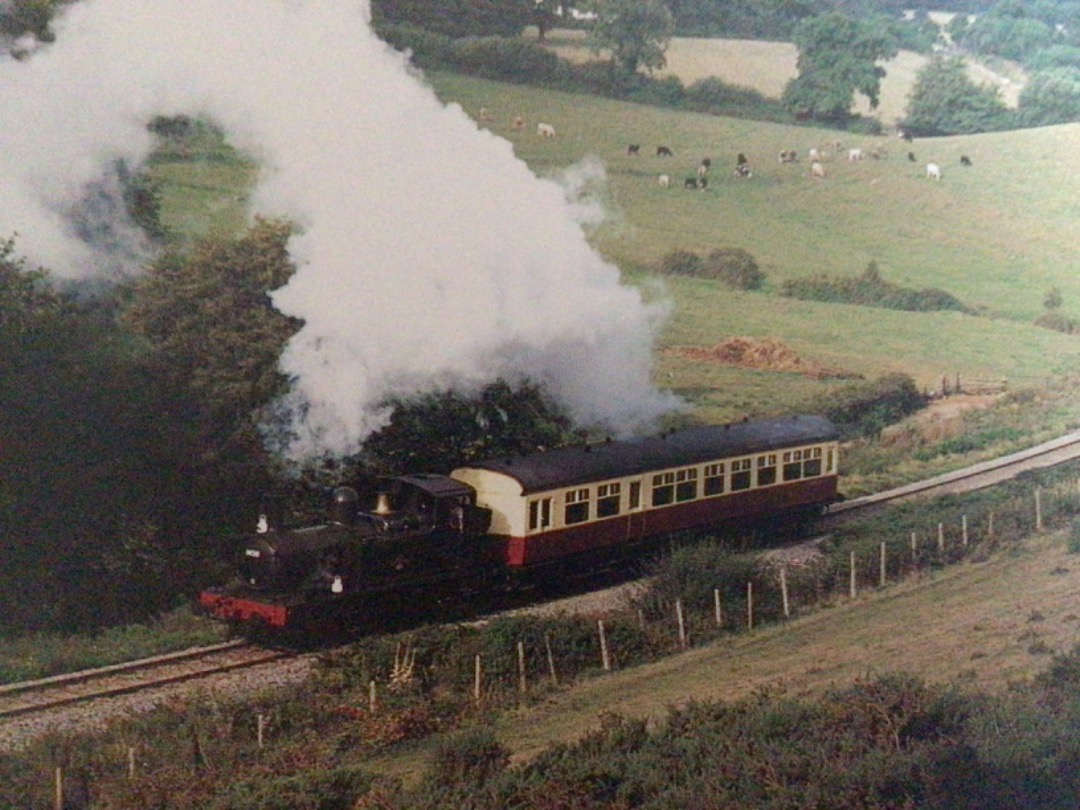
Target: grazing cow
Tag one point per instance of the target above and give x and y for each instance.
(634, 149)
(663, 151)
(706, 162)
(702, 170)
(690, 182)
(905, 135)
(545, 130)
(518, 122)
(743, 170)
(817, 169)
(965, 160)
(741, 160)
(933, 171)
(664, 180)
(788, 156)
(911, 156)
(814, 153)
(703, 182)
(854, 154)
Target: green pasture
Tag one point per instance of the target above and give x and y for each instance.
(998, 235)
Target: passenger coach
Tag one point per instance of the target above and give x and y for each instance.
(594, 498)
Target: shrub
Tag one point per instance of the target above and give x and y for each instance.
(514, 60)
(681, 263)
(1059, 322)
(866, 406)
(735, 267)
(473, 757)
(871, 290)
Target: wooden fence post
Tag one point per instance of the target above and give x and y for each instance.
(852, 589)
(784, 591)
(990, 526)
(551, 659)
(749, 606)
(131, 762)
(523, 684)
(941, 537)
(1038, 510)
(477, 678)
(260, 726)
(373, 697)
(605, 657)
(882, 579)
(58, 789)
(718, 609)
(914, 547)
(964, 529)
(682, 623)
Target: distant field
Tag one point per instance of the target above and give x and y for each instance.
(768, 66)
(998, 235)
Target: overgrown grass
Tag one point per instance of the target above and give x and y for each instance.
(39, 656)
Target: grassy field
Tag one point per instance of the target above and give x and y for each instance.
(949, 627)
(998, 234)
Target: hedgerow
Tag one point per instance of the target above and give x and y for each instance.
(871, 290)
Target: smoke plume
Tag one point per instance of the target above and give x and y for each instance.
(429, 256)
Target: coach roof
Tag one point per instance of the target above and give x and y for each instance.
(569, 466)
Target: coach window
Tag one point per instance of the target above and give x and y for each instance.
(607, 500)
(577, 506)
(714, 479)
(634, 496)
(740, 474)
(539, 514)
(793, 465)
(686, 484)
(830, 462)
(663, 489)
(766, 469)
(812, 462)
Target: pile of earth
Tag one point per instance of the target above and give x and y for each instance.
(758, 353)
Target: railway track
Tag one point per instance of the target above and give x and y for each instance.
(978, 476)
(34, 697)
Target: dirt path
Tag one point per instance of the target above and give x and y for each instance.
(984, 625)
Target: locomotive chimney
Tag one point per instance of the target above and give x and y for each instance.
(382, 504)
(344, 506)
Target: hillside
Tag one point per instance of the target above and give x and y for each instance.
(982, 625)
(997, 234)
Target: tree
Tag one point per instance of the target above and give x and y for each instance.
(838, 57)
(457, 18)
(438, 432)
(214, 332)
(545, 16)
(1051, 97)
(636, 32)
(945, 101)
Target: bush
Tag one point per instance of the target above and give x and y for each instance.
(871, 290)
(470, 757)
(681, 263)
(514, 60)
(866, 406)
(735, 267)
(1059, 322)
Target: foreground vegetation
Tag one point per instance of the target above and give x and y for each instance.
(907, 736)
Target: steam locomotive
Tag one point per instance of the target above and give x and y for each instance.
(536, 515)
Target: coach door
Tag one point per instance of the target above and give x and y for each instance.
(635, 511)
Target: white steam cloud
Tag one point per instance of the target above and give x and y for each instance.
(429, 256)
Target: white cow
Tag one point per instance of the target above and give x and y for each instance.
(933, 171)
(664, 180)
(854, 154)
(814, 153)
(545, 130)
(817, 169)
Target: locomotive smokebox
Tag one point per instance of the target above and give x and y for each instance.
(344, 506)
